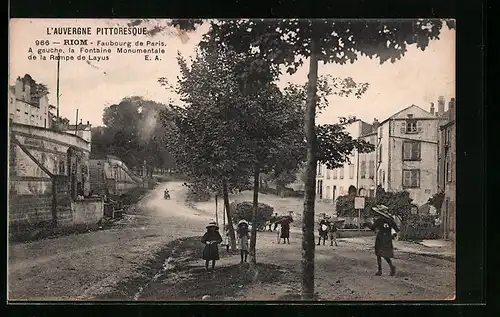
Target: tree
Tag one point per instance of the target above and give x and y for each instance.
(288, 41)
(134, 133)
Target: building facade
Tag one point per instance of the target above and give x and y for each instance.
(447, 173)
(332, 183)
(84, 131)
(24, 110)
(407, 153)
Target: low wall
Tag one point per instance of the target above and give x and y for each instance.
(29, 209)
(351, 233)
(88, 211)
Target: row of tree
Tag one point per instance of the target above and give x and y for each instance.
(237, 125)
(287, 42)
(133, 131)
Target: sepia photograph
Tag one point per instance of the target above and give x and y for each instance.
(231, 160)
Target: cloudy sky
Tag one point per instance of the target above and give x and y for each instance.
(418, 78)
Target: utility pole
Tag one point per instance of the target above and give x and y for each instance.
(57, 92)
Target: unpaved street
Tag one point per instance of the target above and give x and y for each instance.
(83, 266)
(154, 254)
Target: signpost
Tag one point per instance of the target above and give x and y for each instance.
(359, 203)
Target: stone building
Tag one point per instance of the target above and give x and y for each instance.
(24, 109)
(447, 172)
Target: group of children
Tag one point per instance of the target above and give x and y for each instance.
(384, 225)
(212, 239)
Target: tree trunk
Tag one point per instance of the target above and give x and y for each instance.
(310, 182)
(225, 195)
(253, 236)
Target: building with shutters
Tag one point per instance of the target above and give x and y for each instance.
(447, 172)
(332, 183)
(407, 151)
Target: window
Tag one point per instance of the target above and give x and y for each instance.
(411, 126)
(411, 178)
(411, 151)
(363, 169)
(371, 169)
(319, 169)
(351, 171)
(327, 192)
(341, 173)
(341, 191)
(334, 174)
(328, 173)
(448, 171)
(447, 137)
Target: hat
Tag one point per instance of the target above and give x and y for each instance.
(382, 210)
(212, 224)
(242, 222)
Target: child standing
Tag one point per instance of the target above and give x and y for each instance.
(211, 239)
(243, 237)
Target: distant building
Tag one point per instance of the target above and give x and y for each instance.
(447, 172)
(331, 183)
(24, 110)
(407, 152)
(82, 130)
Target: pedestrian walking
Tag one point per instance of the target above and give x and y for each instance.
(285, 230)
(211, 239)
(227, 232)
(323, 231)
(332, 232)
(384, 224)
(243, 237)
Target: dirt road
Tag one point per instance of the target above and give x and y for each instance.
(84, 266)
(154, 254)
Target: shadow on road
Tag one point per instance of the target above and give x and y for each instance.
(177, 273)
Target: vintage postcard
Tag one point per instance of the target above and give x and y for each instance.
(231, 160)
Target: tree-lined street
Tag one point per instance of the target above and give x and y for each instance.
(127, 262)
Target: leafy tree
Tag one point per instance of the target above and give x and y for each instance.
(289, 41)
(134, 133)
(437, 200)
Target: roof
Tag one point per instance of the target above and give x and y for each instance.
(402, 110)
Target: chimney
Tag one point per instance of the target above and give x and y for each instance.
(432, 108)
(451, 109)
(375, 125)
(440, 106)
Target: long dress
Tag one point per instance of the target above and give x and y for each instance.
(285, 229)
(323, 229)
(211, 251)
(383, 241)
(243, 241)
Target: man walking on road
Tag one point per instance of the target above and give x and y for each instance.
(383, 242)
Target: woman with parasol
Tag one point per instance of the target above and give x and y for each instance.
(384, 224)
(211, 239)
(243, 233)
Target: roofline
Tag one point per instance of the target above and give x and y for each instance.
(47, 129)
(404, 110)
(369, 134)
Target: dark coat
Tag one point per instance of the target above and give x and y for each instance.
(211, 251)
(323, 233)
(285, 229)
(383, 241)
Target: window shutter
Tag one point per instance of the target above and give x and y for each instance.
(406, 151)
(415, 151)
(406, 178)
(403, 127)
(419, 126)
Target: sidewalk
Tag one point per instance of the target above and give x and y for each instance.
(434, 248)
